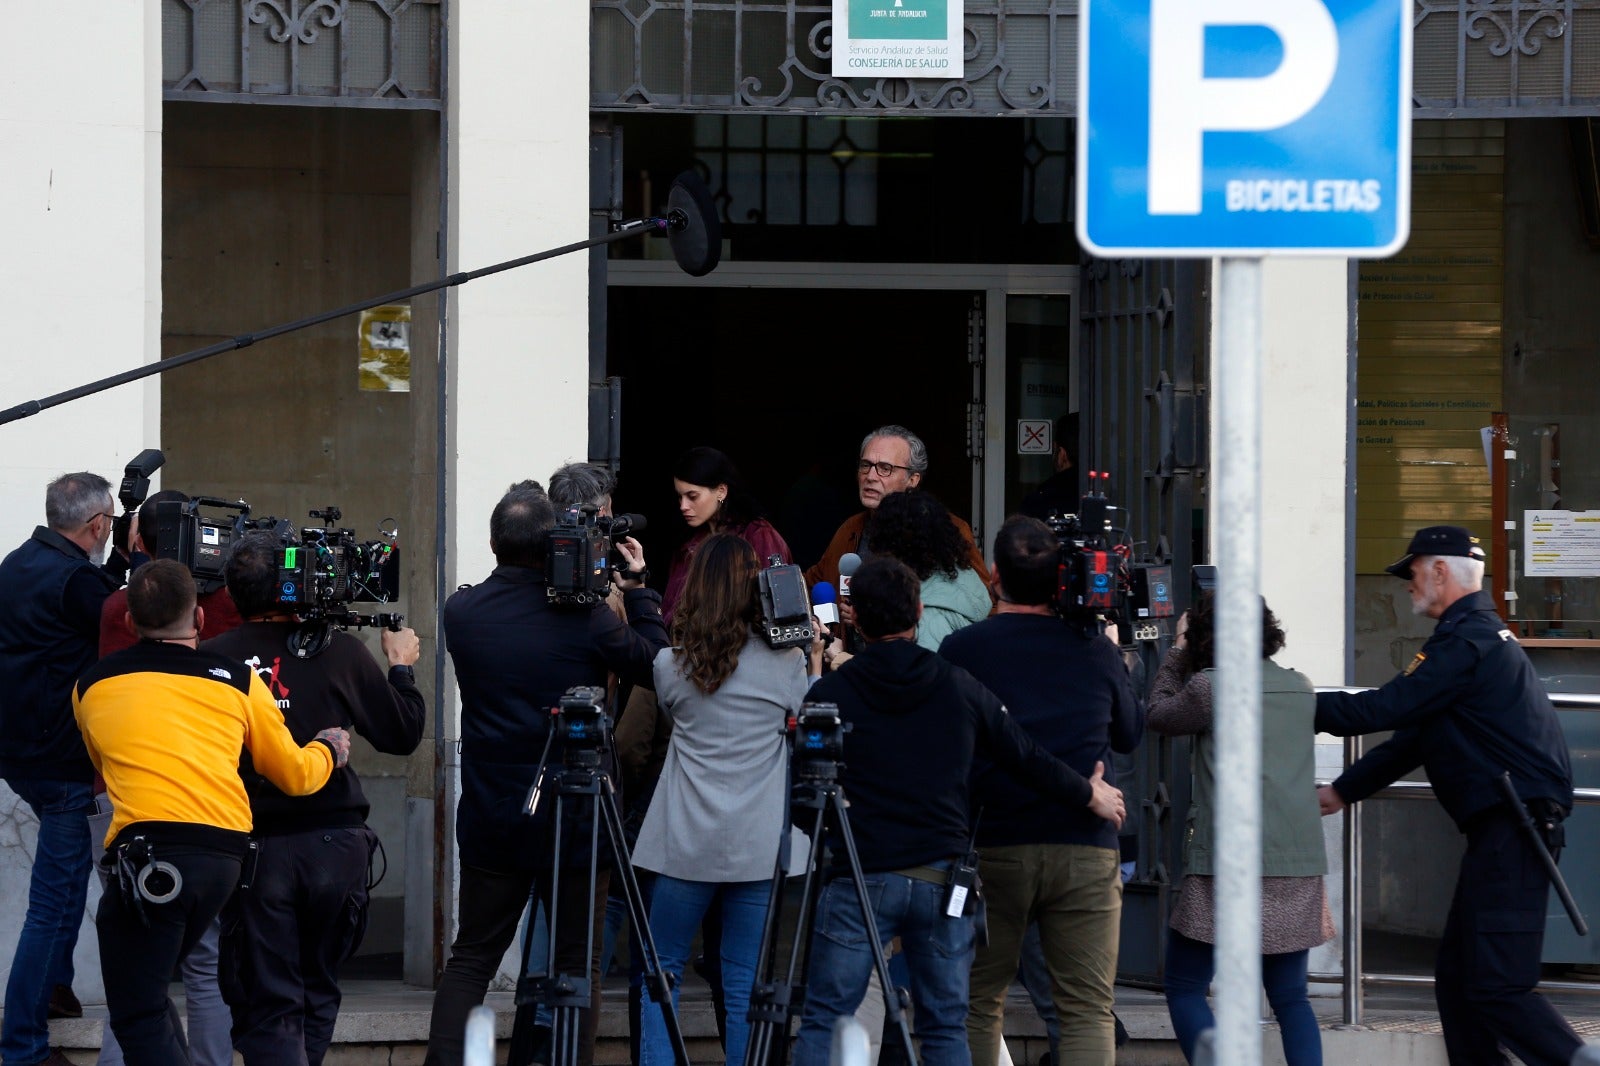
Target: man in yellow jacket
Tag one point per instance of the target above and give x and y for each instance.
(164, 724)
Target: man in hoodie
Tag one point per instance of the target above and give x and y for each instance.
(916, 722)
(305, 911)
(1042, 861)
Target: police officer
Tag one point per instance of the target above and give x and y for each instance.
(1469, 708)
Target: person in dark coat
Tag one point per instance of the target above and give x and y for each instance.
(1470, 708)
(515, 654)
(53, 587)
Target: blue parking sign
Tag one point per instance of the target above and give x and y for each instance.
(1244, 127)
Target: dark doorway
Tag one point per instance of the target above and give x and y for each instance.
(786, 382)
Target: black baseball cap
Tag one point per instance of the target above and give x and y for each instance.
(1436, 540)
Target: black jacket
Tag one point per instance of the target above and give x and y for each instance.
(915, 723)
(49, 635)
(1068, 691)
(343, 686)
(515, 655)
(1469, 707)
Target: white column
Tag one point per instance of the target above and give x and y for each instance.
(518, 146)
(80, 161)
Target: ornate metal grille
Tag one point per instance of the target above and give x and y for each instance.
(1473, 58)
(347, 53)
(773, 55)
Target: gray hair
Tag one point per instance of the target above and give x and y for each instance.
(73, 499)
(577, 484)
(918, 463)
(1468, 573)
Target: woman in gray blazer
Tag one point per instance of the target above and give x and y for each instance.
(715, 822)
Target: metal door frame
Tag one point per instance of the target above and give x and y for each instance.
(996, 282)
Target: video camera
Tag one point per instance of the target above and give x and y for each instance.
(1097, 579)
(324, 569)
(785, 607)
(204, 542)
(816, 739)
(578, 557)
(580, 722)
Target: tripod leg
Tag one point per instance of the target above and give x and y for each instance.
(524, 1045)
(781, 1002)
(891, 995)
(655, 981)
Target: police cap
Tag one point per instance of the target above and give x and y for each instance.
(1436, 540)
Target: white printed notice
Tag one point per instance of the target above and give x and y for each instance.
(897, 39)
(1562, 543)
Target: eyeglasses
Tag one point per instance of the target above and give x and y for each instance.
(882, 469)
(101, 514)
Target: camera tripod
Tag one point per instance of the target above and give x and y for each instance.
(774, 1002)
(568, 994)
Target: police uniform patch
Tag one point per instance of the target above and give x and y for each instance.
(1412, 667)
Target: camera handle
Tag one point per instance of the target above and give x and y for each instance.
(773, 1002)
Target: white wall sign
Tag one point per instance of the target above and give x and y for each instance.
(1033, 436)
(1562, 543)
(897, 39)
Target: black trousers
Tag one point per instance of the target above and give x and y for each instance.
(137, 959)
(284, 938)
(1489, 956)
(490, 904)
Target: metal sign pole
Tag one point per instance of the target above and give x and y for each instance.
(1236, 698)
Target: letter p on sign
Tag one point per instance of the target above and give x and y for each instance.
(1244, 127)
(1185, 104)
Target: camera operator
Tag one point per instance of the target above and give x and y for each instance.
(206, 1015)
(916, 722)
(53, 587)
(515, 654)
(164, 723)
(305, 909)
(1069, 690)
(115, 634)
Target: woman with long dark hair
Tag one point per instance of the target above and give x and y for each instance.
(717, 817)
(915, 528)
(712, 499)
(1294, 906)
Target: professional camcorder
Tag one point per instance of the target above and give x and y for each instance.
(816, 738)
(785, 607)
(324, 569)
(578, 558)
(1097, 579)
(202, 540)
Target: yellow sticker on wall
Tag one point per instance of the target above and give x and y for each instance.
(385, 348)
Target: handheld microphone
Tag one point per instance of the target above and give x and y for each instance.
(848, 564)
(825, 603)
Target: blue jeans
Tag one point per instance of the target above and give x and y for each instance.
(938, 955)
(57, 895)
(676, 908)
(1190, 966)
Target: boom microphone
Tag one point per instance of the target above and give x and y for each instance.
(825, 603)
(849, 563)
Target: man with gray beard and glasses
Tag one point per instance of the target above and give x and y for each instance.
(53, 587)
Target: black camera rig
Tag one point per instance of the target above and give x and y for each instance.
(816, 742)
(1097, 578)
(785, 607)
(578, 554)
(324, 569)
